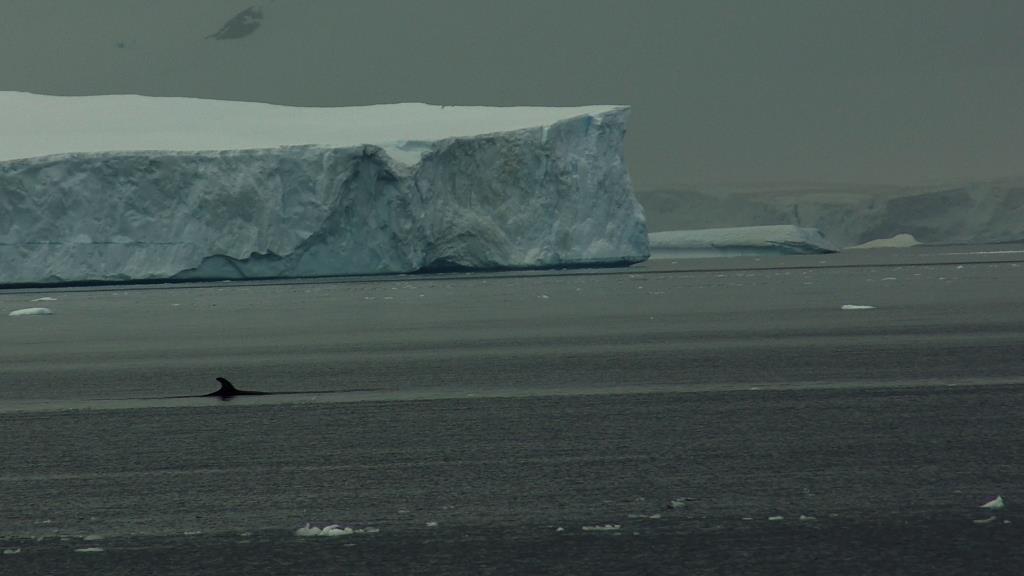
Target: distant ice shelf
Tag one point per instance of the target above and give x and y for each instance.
(743, 241)
(120, 188)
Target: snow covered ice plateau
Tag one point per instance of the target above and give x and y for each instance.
(109, 188)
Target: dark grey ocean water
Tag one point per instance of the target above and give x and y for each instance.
(513, 411)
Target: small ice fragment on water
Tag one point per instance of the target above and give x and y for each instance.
(308, 530)
(807, 518)
(559, 529)
(88, 550)
(654, 516)
(677, 502)
(602, 528)
(8, 551)
(994, 504)
(985, 520)
(747, 518)
(961, 267)
(543, 296)
(888, 279)
(857, 307)
(92, 537)
(335, 530)
(775, 518)
(31, 312)
(431, 524)
(193, 532)
(45, 299)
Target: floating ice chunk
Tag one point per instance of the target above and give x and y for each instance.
(988, 520)
(308, 530)
(92, 537)
(602, 528)
(335, 530)
(996, 503)
(89, 550)
(9, 551)
(559, 529)
(857, 307)
(431, 524)
(807, 518)
(775, 518)
(45, 299)
(31, 312)
(678, 502)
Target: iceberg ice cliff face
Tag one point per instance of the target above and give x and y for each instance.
(134, 188)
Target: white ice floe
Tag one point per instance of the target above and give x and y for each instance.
(602, 528)
(988, 520)
(92, 537)
(31, 312)
(308, 530)
(336, 530)
(89, 550)
(857, 307)
(678, 502)
(996, 503)
(115, 188)
(45, 299)
(9, 551)
(776, 518)
(804, 518)
(333, 530)
(431, 524)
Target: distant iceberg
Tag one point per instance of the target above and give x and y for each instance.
(744, 241)
(117, 188)
(897, 241)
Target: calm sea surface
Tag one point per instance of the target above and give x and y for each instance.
(711, 417)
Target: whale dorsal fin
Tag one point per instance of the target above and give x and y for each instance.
(226, 387)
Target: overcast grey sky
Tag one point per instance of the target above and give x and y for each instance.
(856, 91)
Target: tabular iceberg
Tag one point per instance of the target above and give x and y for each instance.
(110, 188)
